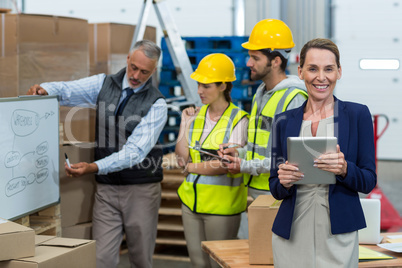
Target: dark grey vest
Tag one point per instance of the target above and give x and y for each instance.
(112, 131)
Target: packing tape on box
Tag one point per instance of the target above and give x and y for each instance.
(95, 43)
(3, 41)
(56, 26)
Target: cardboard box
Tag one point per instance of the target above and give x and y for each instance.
(79, 231)
(109, 44)
(57, 252)
(261, 216)
(76, 194)
(41, 48)
(16, 241)
(77, 124)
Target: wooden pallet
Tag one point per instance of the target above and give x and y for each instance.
(170, 241)
(44, 222)
(5, 10)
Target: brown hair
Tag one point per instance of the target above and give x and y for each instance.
(320, 43)
(271, 55)
(227, 91)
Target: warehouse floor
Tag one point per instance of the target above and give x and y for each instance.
(389, 180)
(124, 263)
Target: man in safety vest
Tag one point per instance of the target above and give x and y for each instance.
(269, 46)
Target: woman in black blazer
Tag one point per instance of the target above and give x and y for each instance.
(316, 225)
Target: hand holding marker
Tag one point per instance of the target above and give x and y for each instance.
(231, 153)
(67, 161)
(230, 146)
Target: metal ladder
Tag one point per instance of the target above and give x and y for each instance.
(174, 43)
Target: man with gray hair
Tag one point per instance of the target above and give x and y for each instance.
(130, 115)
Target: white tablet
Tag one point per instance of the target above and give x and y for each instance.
(302, 151)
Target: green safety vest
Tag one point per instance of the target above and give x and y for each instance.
(259, 143)
(219, 194)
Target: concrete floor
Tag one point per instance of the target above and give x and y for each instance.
(124, 263)
(389, 175)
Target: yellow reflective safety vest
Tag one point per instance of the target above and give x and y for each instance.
(217, 194)
(259, 142)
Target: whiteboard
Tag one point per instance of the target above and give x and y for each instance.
(29, 154)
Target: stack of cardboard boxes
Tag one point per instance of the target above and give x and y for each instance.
(36, 49)
(108, 47)
(21, 248)
(109, 44)
(40, 48)
(76, 194)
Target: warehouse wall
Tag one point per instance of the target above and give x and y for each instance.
(370, 30)
(350, 24)
(257, 10)
(192, 17)
(308, 19)
(6, 4)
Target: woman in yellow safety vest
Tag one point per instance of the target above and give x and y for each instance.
(212, 199)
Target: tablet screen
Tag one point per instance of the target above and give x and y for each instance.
(302, 151)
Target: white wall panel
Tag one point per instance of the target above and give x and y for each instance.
(370, 29)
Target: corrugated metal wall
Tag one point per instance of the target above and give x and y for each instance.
(256, 10)
(307, 19)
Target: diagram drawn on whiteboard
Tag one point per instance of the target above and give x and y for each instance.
(29, 155)
(25, 123)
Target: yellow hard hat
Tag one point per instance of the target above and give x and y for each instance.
(216, 67)
(270, 33)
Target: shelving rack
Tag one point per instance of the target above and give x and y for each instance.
(197, 48)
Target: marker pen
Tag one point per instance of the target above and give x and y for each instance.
(67, 161)
(231, 146)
